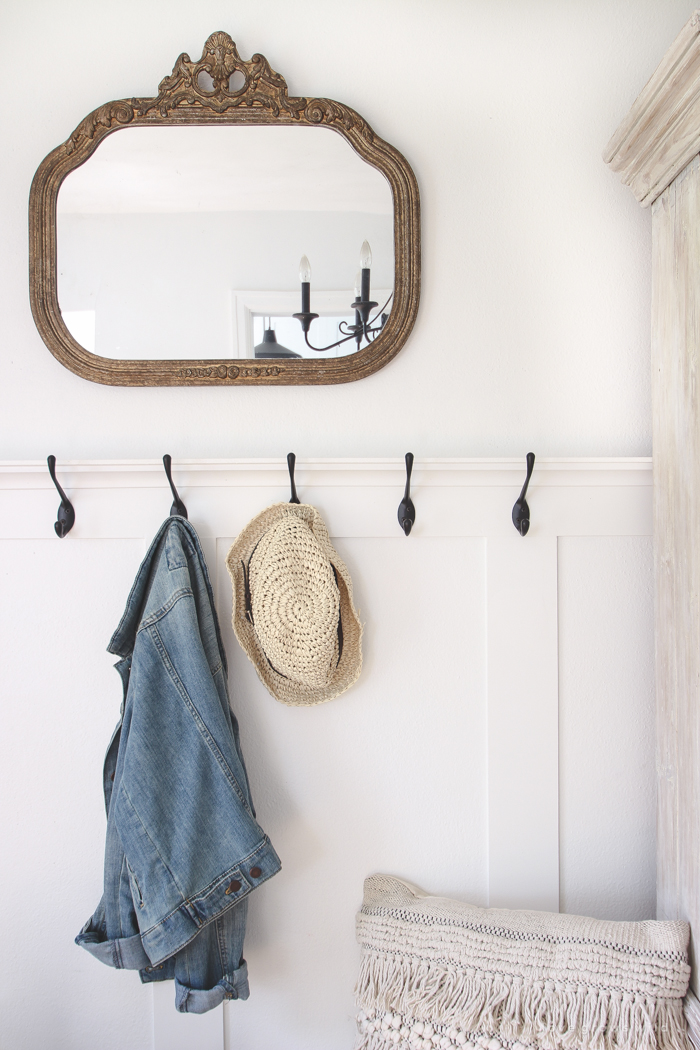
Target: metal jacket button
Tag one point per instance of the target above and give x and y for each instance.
(255, 873)
(233, 887)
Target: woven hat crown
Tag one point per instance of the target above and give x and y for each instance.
(295, 603)
(293, 611)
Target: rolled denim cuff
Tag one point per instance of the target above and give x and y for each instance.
(124, 953)
(199, 1000)
(174, 931)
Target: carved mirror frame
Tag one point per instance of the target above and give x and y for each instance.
(263, 99)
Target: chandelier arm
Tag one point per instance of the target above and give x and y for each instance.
(383, 308)
(367, 329)
(320, 349)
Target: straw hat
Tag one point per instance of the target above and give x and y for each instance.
(292, 606)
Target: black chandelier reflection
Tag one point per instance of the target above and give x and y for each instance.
(363, 328)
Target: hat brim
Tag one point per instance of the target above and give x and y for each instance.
(350, 664)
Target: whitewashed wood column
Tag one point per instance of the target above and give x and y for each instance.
(655, 150)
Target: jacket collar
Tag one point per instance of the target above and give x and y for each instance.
(175, 530)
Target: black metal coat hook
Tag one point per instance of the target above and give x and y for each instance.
(291, 460)
(178, 506)
(407, 512)
(66, 512)
(521, 511)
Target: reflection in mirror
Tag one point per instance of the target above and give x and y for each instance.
(184, 242)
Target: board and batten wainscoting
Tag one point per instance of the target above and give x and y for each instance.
(498, 747)
(655, 150)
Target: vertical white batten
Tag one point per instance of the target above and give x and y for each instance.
(523, 724)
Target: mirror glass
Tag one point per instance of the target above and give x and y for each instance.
(186, 241)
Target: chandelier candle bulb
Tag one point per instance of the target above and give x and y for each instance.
(365, 264)
(305, 278)
(358, 284)
(359, 328)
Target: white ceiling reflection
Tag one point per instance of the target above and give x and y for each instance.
(224, 168)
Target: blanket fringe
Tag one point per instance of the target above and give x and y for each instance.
(544, 1014)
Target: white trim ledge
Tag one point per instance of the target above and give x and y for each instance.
(226, 473)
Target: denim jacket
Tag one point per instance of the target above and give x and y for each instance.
(183, 848)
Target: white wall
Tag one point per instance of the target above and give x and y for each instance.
(503, 111)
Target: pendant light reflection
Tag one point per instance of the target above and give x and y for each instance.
(270, 348)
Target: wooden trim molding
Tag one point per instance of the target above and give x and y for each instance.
(656, 151)
(262, 99)
(661, 133)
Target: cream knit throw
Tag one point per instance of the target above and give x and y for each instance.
(437, 974)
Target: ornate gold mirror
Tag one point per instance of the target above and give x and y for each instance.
(176, 252)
